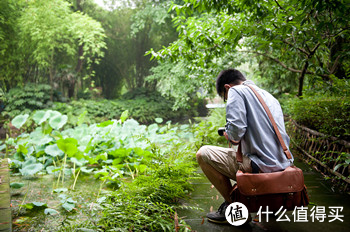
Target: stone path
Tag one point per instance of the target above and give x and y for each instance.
(321, 195)
(5, 210)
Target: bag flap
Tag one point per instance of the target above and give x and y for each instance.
(289, 180)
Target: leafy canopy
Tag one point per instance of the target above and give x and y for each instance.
(299, 36)
(52, 27)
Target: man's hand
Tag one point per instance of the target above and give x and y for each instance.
(226, 136)
(231, 141)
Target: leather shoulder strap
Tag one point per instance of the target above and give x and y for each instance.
(277, 131)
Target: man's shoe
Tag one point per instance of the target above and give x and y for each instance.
(219, 216)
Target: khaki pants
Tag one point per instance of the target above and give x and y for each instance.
(224, 160)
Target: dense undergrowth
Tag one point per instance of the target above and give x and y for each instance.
(143, 105)
(141, 172)
(325, 107)
(330, 115)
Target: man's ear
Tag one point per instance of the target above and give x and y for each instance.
(227, 86)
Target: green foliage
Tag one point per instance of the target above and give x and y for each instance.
(10, 57)
(30, 168)
(16, 185)
(35, 205)
(147, 166)
(299, 36)
(131, 30)
(185, 82)
(334, 87)
(25, 99)
(56, 29)
(19, 120)
(145, 107)
(49, 211)
(2, 96)
(343, 161)
(148, 203)
(125, 144)
(328, 115)
(133, 213)
(206, 131)
(44, 36)
(142, 105)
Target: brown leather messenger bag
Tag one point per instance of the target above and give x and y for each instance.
(274, 190)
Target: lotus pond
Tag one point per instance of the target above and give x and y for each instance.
(116, 175)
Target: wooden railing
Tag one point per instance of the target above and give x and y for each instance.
(328, 153)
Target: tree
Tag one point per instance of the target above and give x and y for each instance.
(116, 65)
(49, 35)
(151, 27)
(299, 36)
(10, 58)
(132, 28)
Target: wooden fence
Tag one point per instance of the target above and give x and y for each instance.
(330, 155)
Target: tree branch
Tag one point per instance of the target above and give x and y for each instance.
(300, 49)
(344, 29)
(307, 47)
(285, 66)
(293, 37)
(335, 65)
(314, 49)
(277, 61)
(320, 61)
(279, 5)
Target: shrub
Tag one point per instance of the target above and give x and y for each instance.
(328, 115)
(144, 106)
(25, 99)
(149, 203)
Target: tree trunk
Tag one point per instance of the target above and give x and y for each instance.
(51, 82)
(79, 67)
(301, 79)
(71, 87)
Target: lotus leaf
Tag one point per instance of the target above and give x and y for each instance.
(68, 145)
(41, 116)
(31, 169)
(19, 120)
(49, 211)
(16, 185)
(58, 121)
(53, 150)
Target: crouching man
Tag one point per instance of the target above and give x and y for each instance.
(249, 125)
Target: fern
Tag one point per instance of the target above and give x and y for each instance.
(26, 99)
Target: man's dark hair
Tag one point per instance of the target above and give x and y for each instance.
(228, 76)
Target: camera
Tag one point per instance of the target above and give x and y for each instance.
(221, 131)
